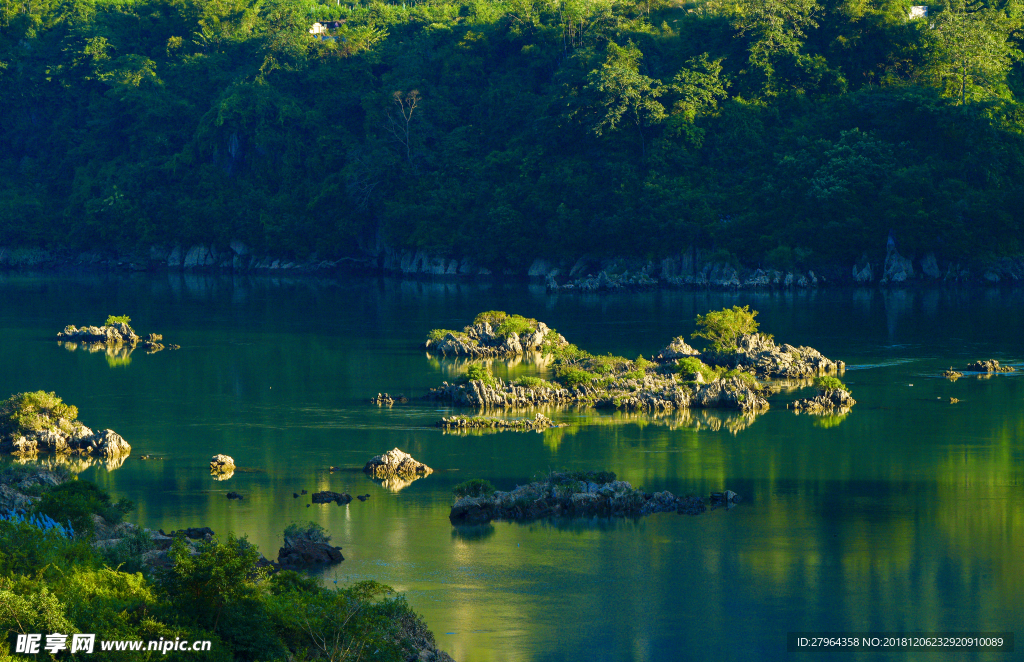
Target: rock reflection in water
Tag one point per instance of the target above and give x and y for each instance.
(397, 483)
(472, 532)
(117, 355)
(452, 368)
(73, 463)
(713, 420)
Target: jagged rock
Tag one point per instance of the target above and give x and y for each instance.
(327, 497)
(952, 375)
(863, 275)
(482, 340)
(395, 463)
(386, 400)
(830, 402)
(677, 349)
(930, 266)
(953, 401)
(898, 269)
(769, 360)
(114, 334)
(990, 365)
(222, 464)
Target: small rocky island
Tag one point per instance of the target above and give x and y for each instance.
(727, 375)
(494, 333)
(395, 463)
(538, 422)
(31, 423)
(571, 494)
(115, 334)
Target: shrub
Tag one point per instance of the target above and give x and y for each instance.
(26, 413)
(76, 501)
(27, 550)
(515, 325)
(438, 335)
(480, 372)
(127, 554)
(827, 383)
(746, 377)
(533, 383)
(220, 575)
(492, 317)
(477, 487)
(565, 355)
(117, 319)
(691, 366)
(310, 531)
(724, 327)
(572, 377)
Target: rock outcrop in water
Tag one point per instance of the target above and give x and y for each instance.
(680, 377)
(577, 494)
(116, 338)
(494, 333)
(538, 422)
(990, 365)
(835, 401)
(396, 464)
(222, 466)
(40, 422)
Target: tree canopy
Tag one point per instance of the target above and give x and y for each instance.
(775, 132)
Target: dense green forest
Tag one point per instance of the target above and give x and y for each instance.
(776, 132)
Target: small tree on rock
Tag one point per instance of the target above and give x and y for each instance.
(724, 327)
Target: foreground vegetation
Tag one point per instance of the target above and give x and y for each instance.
(785, 133)
(52, 580)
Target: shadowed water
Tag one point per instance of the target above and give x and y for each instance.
(907, 514)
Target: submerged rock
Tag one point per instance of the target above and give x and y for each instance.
(572, 495)
(327, 497)
(395, 463)
(538, 422)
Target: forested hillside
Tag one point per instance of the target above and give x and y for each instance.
(775, 132)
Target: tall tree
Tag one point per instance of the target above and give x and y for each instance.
(623, 93)
(971, 50)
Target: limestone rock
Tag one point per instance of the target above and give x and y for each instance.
(677, 349)
(395, 463)
(222, 464)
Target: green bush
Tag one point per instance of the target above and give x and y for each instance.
(724, 327)
(27, 413)
(571, 377)
(492, 317)
(438, 335)
(827, 383)
(76, 501)
(127, 554)
(480, 372)
(533, 383)
(746, 377)
(476, 487)
(117, 319)
(310, 531)
(26, 550)
(515, 325)
(690, 366)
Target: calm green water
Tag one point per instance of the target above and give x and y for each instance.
(907, 515)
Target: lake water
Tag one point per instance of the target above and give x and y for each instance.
(906, 515)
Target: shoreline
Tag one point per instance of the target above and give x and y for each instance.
(686, 270)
